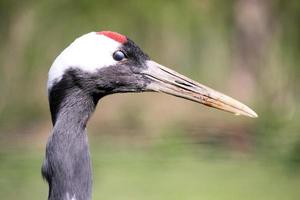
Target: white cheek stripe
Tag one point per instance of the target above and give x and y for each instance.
(88, 53)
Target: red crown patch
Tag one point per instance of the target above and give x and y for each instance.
(115, 36)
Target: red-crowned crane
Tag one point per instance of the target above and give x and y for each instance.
(93, 66)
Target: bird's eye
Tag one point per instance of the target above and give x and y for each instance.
(119, 55)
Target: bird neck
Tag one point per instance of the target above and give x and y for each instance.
(67, 166)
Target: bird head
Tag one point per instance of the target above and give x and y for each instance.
(102, 63)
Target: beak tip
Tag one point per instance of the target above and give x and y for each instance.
(250, 113)
(254, 115)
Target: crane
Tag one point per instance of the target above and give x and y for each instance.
(95, 65)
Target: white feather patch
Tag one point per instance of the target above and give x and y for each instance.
(70, 198)
(88, 53)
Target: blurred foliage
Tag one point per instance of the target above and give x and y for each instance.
(202, 39)
(168, 170)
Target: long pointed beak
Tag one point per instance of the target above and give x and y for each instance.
(169, 81)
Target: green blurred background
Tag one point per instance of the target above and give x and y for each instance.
(153, 146)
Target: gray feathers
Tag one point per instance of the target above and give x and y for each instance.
(67, 166)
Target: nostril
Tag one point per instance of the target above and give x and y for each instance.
(183, 83)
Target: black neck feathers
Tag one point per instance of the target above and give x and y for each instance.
(67, 166)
